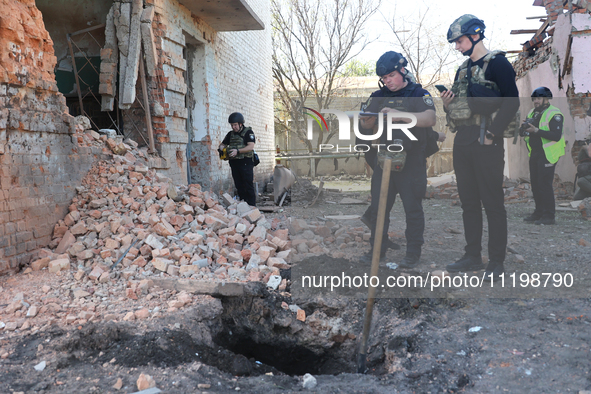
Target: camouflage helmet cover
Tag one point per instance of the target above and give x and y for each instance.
(465, 25)
(390, 61)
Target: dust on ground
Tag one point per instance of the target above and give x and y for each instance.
(255, 345)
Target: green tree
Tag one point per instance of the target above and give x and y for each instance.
(358, 68)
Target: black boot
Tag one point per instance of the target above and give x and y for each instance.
(533, 217)
(410, 261)
(493, 271)
(466, 263)
(546, 220)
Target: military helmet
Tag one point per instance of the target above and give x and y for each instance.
(465, 25)
(542, 91)
(236, 117)
(390, 61)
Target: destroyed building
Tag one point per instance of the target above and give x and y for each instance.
(557, 57)
(58, 59)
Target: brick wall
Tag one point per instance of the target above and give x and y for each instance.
(526, 63)
(562, 65)
(39, 163)
(231, 72)
(553, 8)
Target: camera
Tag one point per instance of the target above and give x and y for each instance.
(524, 126)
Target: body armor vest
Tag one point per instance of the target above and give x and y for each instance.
(400, 103)
(458, 112)
(237, 142)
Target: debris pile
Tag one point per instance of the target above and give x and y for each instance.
(304, 191)
(129, 218)
(129, 228)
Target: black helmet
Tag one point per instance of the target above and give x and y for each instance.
(542, 91)
(465, 25)
(390, 61)
(236, 117)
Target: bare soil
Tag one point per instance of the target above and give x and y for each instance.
(418, 345)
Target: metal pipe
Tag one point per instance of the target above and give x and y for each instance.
(320, 156)
(88, 29)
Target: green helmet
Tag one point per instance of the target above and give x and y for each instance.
(465, 25)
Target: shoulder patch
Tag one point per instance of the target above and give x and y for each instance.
(428, 100)
(558, 118)
(252, 136)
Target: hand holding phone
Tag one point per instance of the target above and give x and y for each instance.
(441, 88)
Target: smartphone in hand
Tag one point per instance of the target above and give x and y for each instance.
(441, 88)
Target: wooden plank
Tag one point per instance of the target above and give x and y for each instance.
(524, 31)
(148, 114)
(568, 59)
(543, 27)
(343, 217)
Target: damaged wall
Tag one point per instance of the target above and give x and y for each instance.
(561, 64)
(39, 164)
(204, 76)
(196, 77)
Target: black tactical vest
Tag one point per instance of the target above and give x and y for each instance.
(237, 142)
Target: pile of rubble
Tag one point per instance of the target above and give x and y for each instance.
(129, 218)
(129, 226)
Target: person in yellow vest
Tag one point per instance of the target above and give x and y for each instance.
(544, 138)
(240, 143)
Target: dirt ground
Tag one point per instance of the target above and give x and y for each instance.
(450, 343)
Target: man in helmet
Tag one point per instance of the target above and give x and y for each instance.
(240, 143)
(545, 142)
(478, 153)
(397, 94)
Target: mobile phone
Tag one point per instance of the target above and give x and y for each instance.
(441, 88)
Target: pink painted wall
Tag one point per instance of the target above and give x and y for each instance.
(549, 74)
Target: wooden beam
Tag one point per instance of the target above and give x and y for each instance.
(148, 115)
(524, 31)
(536, 17)
(568, 59)
(543, 27)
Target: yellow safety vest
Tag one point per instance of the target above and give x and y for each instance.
(552, 149)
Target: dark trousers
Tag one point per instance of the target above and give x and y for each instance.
(542, 175)
(584, 189)
(411, 185)
(479, 174)
(243, 175)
